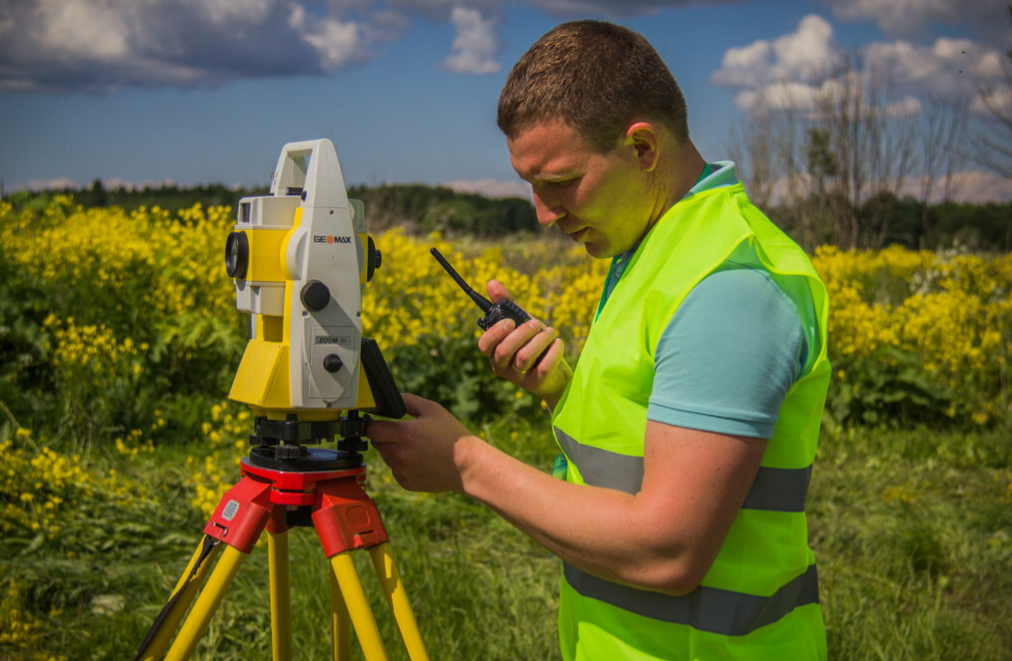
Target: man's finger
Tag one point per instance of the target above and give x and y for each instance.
(534, 348)
(491, 338)
(418, 406)
(497, 291)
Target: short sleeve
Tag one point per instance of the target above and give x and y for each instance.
(729, 355)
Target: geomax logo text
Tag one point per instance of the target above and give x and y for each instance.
(331, 239)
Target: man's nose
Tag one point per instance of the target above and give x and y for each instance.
(547, 212)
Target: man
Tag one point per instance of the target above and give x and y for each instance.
(690, 424)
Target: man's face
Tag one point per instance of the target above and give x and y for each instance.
(598, 199)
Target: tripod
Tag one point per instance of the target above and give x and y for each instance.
(283, 486)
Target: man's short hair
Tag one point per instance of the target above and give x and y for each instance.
(595, 76)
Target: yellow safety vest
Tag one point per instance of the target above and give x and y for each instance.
(760, 598)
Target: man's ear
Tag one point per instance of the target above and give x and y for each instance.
(643, 137)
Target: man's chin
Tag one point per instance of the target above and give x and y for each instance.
(598, 250)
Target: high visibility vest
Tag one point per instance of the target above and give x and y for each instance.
(760, 598)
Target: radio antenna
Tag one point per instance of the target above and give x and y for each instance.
(480, 300)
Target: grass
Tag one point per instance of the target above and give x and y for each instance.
(912, 531)
(913, 534)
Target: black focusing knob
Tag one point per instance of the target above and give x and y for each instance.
(333, 363)
(373, 259)
(315, 295)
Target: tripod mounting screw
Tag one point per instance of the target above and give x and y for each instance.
(289, 451)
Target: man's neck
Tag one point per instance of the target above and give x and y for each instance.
(676, 176)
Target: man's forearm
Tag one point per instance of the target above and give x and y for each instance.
(602, 531)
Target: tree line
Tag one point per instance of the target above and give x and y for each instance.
(418, 208)
(822, 217)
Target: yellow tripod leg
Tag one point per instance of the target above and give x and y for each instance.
(281, 601)
(397, 597)
(182, 595)
(358, 607)
(208, 601)
(340, 622)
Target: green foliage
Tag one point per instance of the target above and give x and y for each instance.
(889, 388)
(83, 537)
(23, 342)
(819, 156)
(446, 369)
(194, 352)
(912, 530)
(417, 207)
(424, 209)
(170, 197)
(886, 219)
(102, 335)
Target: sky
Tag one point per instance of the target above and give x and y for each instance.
(137, 92)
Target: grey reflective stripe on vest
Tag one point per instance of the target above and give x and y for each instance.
(774, 489)
(779, 489)
(704, 609)
(603, 468)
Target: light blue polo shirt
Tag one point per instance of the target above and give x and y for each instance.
(735, 346)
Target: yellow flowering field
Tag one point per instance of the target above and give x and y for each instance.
(133, 334)
(137, 335)
(119, 340)
(133, 319)
(929, 330)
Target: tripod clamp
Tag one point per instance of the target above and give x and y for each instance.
(280, 444)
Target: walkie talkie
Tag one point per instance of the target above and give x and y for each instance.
(494, 312)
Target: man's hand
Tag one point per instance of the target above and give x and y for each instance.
(424, 454)
(514, 352)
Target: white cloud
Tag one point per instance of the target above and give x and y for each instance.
(804, 56)
(946, 69)
(807, 54)
(339, 44)
(905, 107)
(49, 184)
(992, 65)
(103, 45)
(496, 188)
(966, 187)
(906, 18)
(477, 44)
(742, 67)
(972, 186)
(230, 12)
(779, 96)
(995, 98)
(784, 73)
(489, 187)
(65, 183)
(795, 70)
(609, 8)
(80, 28)
(99, 46)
